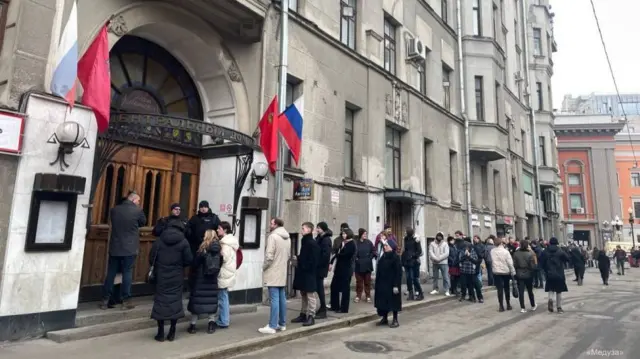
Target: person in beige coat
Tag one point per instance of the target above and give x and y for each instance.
(274, 275)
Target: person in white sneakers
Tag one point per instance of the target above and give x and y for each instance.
(274, 275)
(439, 255)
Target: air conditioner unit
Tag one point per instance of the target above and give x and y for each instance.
(446, 84)
(580, 210)
(416, 50)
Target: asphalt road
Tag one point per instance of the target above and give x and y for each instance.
(597, 321)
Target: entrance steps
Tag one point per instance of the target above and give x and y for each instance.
(92, 322)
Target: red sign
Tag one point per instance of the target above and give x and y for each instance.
(11, 132)
(222, 207)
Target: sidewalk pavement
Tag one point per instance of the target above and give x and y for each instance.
(241, 337)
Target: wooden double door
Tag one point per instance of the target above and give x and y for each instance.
(396, 212)
(160, 178)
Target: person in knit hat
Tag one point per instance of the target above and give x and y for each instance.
(552, 262)
(196, 227)
(174, 215)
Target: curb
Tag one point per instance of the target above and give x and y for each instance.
(251, 345)
(129, 325)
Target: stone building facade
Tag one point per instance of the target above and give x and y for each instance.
(383, 138)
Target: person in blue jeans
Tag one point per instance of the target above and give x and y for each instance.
(274, 275)
(124, 244)
(412, 251)
(227, 276)
(439, 255)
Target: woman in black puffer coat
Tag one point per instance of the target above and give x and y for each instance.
(171, 254)
(203, 281)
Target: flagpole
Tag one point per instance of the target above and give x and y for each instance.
(282, 101)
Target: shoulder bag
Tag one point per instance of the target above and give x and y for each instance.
(151, 275)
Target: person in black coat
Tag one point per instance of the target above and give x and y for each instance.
(341, 281)
(365, 254)
(552, 262)
(164, 222)
(387, 297)
(338, 240)
(579, 261)
(604, 265)
(324, 241)
(170, 254)
(203, 298)
(306, 274)
(199, 224)
(411, 254)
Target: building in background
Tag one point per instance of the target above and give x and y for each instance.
(602, 104)
(586, 156)
(505, 135)
(628, 180)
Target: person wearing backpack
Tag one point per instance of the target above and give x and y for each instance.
(203, 281)
(227, 277)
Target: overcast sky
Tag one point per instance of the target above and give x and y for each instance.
(580, 66)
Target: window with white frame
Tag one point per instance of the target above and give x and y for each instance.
(348, 142)
(537, 42)
(635, 179)
(576, 202)
(574, 179)
(444, 10)
(446, 87)
(477, 18)
(348, 23)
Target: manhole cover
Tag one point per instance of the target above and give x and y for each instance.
(596, 316)
(368, 347)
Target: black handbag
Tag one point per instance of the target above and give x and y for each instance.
(514, 288)
(151, 275)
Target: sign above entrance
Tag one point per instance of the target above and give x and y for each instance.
(143, 125)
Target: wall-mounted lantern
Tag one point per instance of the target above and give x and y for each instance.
(259, 172)
(68, 135)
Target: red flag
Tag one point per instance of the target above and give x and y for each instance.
(269, 134)
(93, 73)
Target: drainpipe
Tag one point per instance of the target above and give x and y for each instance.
(532, 117)
(463, 111)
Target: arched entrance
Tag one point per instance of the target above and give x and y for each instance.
(158, 163)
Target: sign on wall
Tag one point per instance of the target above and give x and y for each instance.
(11, 131)
(303, 189)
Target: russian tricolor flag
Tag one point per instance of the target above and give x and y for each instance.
(63, 82)
(291, 127)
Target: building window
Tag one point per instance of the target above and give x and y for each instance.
(523, 143)
(444, 10)
(293, 5)
(577, 205)
(392, 158)
(4, 8)
(636, 208)
(453, 174)
(542, 152)
(502, 18)
(294, 90)
(428, 151)
(540, 98)
(479, 98)
(496, 22)
(497, 190)
(635, 179)
(537, 42)
(497, 102)
(527, 183)
(574, 179)
(477, 18)
(389, 46)
(422, 77)
(349, 116)
(484, 183)
(516, 28)
(446, 87)
(348, 23)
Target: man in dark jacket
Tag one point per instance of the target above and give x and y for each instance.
(124, 244)
(199, 224)
(538, 277)
(164, 221)
(489, 245)
(620, 255)
(579, 261)
(411, 253)
(306, 274)
(324, 242)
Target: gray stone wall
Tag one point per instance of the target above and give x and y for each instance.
(9, 165)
